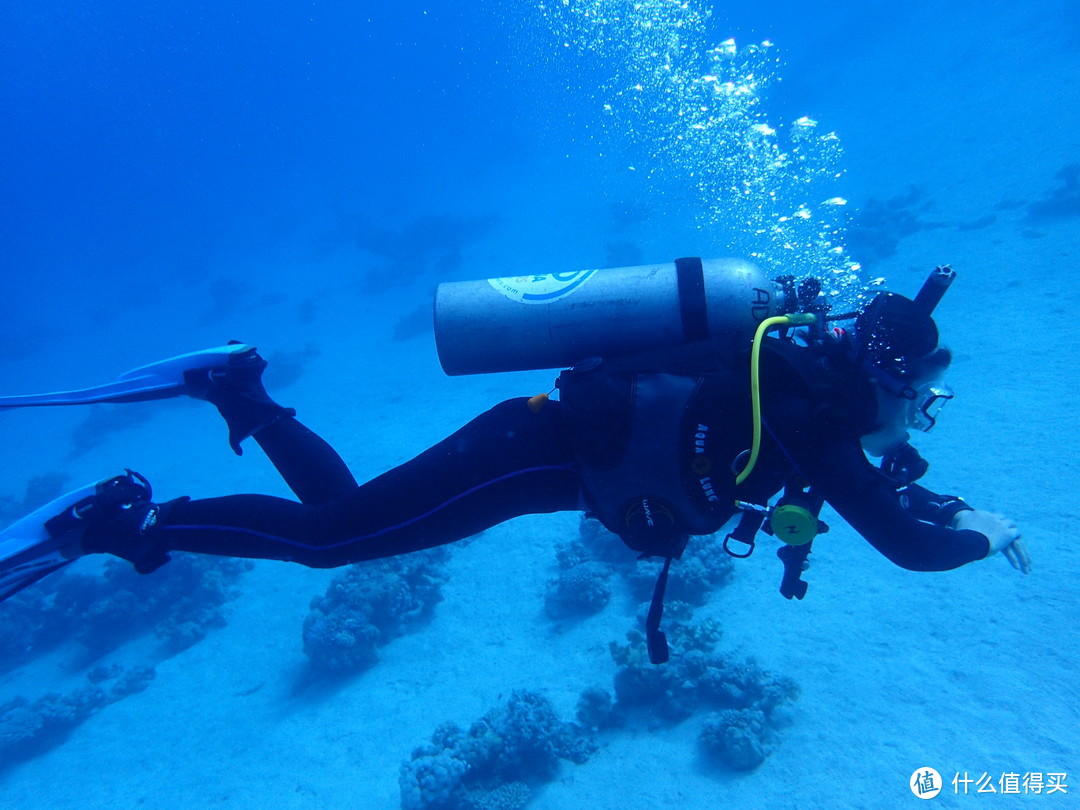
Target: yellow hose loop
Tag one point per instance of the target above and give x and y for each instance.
(796, 319)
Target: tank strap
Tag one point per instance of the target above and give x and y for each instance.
(693, 311)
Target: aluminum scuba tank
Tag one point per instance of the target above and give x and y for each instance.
(560, 319)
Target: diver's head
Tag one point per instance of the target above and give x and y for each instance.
(896, 342)
(895, 336)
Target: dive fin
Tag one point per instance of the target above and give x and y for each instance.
(28, 551)
(160, 380)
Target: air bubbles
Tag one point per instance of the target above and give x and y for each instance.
(690, 114)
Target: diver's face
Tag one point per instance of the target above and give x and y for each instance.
(893, 423)
(896, 414)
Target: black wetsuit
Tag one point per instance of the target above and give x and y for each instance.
(511, 461)
(507, 462)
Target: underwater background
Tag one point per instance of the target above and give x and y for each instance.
(300, 176)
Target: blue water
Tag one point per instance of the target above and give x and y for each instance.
(146, 145)
(302, 175)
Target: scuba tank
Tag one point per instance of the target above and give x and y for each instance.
(560, 319)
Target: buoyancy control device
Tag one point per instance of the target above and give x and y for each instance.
(646, 447)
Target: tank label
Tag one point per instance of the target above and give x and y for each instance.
(540, 289)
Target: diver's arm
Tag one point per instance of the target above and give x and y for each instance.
(869, 502)
(954, 512)
(931, 507)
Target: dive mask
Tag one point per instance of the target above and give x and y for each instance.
(927, 403)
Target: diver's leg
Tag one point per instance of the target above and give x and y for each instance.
(310, 466)
(506, 462)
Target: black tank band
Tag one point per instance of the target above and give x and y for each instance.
(692, 309)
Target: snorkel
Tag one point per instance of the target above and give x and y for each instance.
(934, 288)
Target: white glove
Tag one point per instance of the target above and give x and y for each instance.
(1000, 531)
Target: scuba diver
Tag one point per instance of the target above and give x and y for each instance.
(660, 434)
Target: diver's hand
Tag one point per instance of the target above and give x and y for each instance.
(1017, 555)
(1002, 533)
